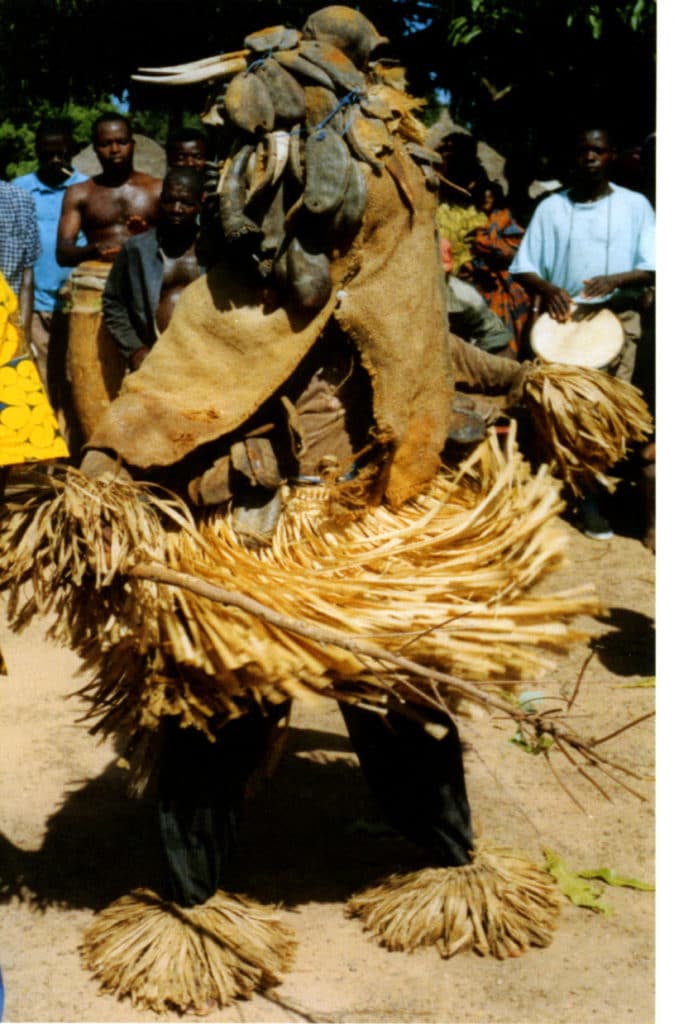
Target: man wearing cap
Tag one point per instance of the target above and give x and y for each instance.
(592, 246)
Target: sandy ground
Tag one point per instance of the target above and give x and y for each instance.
(71, 841)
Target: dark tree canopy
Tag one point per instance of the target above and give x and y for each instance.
(520, 73)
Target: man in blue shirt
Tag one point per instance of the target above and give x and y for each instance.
(54, 149)
(592, 246)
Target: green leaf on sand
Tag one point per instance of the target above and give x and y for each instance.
(609, 876)
(574, 887)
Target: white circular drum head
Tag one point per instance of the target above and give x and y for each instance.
(593, 342)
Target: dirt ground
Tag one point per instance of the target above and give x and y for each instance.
(71, 841)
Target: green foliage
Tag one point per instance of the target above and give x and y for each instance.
(611, 877)
(574, 884)
(575, 888)
(17, 140)
(539, 746)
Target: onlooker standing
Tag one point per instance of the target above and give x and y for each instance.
(112, 206)
(592, 246)
(54, 149)
(153, 269)
(19, 245)
(108, 209)
(187, 147)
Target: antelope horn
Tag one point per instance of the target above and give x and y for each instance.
(224, 69)
(204, 62)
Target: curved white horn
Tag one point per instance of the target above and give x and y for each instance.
(176, 69)
(204, 74)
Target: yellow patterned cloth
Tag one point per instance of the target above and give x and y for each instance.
(29, 430)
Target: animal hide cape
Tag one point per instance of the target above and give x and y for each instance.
(229, 347)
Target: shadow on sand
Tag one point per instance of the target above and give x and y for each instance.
(629, 650)
(313, 833)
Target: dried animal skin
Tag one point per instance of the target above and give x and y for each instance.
(396, 168)
(248, 104)
(377, 105)
(232, 198)
(326, 167)
(369, 139)
(298, 65)
(272, 38)
(286, 93)
(273, 223)
(321, 103)
(345, 28)
(349, 214)
(335, 64)
(308, 276)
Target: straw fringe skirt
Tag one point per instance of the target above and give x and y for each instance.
(445, 580)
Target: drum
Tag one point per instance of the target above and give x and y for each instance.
(592, 340)
(95, 364)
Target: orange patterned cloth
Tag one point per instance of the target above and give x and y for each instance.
(493, 248)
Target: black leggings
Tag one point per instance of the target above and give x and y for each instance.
(417, 780)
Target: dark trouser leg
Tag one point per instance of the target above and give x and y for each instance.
(417, 780)
(201, 792)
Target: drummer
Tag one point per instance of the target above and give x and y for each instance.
(112, 206)
(592, 246)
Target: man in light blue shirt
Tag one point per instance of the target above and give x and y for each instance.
(54, 148)
(592, 246)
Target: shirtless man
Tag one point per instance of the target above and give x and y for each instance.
(153, 269)
(110, 207)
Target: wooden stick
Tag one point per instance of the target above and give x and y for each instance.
(583, 772)
(571, 795)
(579, 680)
(616, 732)
(159, 573)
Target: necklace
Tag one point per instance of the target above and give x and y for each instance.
(574, 206)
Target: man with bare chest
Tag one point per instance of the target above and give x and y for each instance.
(112, 206)
(154, 268)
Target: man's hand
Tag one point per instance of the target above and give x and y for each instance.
(558, 303)
(107, 253)
(137, 357)
(603, 284)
